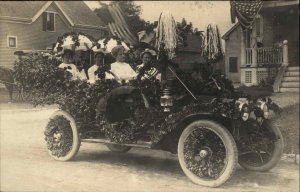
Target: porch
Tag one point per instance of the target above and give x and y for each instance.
(262, 63)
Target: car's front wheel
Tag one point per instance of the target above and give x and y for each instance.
(207, 153)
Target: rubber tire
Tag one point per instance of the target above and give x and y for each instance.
(118, 148)
(76, 140)
(231, 151)
(277, 151)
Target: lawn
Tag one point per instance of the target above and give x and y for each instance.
(288, 123)
(288, 120)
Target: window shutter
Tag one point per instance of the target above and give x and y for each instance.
(233, 65)
(44, 21)
(51, 21)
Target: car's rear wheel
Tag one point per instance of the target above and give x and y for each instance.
(207, 153)
(62, 137)
(265, 148)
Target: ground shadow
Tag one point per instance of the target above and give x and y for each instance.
(134, 160)
(168, 165)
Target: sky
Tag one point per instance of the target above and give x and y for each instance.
(200, 13)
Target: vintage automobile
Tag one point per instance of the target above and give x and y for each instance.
(210, 134)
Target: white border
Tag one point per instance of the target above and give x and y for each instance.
(7, 41)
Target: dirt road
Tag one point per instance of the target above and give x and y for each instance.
(26, 165)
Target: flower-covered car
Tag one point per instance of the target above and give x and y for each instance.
(205, 122)
(210, 134)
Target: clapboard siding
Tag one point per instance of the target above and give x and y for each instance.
(32, 36)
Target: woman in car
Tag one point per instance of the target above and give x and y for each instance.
(121, 70)
(94, 72)
(147, 70)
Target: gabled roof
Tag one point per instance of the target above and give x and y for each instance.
(80, 13)
(21, 9)
(225, 36)
(76, 12)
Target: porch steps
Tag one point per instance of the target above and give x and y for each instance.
(290, 81)
(290, 84)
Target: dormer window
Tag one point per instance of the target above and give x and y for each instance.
(48, 21)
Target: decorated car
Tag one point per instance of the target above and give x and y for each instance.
(206, 123)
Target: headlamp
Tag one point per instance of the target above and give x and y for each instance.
(262, 109)
(166, 100)
(242, 105)
(245, 112)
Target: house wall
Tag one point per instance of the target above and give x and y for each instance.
(32, 36)
(187, 60)
(233, 49)
(267, 30)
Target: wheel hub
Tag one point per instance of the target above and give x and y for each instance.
(205, 152)
(57, 136)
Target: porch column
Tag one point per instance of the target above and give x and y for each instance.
(243, 49)
(285, 61)
(254, 47)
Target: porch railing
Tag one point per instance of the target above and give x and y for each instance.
(264, 56)
(269, 55)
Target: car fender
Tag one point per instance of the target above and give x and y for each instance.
(169, 142)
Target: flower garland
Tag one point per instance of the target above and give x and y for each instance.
(58, 136)
(218, 107)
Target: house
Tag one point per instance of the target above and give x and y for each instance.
(191, 54)
(37, 24)
(268, 49)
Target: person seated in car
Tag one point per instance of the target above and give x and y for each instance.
(97, 71)
(82, 64)
(147, 70)
(121, 70)
(67, 64)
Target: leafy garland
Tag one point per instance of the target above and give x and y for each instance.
(218, 107)
(62, 143)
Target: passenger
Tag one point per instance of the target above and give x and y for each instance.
(147, 69)
(93, 71)
(121, 70)
(82, 64)
(67, 64)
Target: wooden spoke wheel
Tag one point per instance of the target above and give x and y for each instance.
(207, 153)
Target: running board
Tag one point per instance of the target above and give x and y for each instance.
(140, 144)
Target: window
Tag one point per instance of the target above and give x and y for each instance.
(233, 67)
(48, 21)
(248, 76)
(12, 41)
